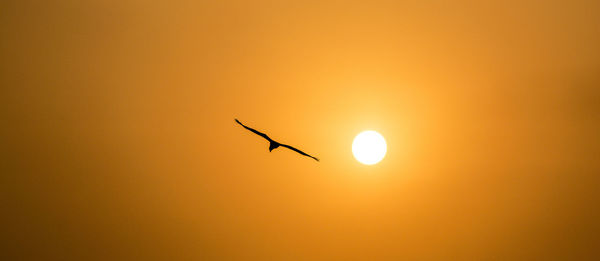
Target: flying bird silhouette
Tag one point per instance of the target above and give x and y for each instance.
(273, 144)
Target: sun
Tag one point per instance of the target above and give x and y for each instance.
(369, 147)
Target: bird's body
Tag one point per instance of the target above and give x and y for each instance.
(274, 144)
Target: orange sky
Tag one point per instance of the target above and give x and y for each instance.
(119, 141)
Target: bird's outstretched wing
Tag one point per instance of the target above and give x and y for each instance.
(297, 150)
(255, 131)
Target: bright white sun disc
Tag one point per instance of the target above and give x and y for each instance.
(369, 147)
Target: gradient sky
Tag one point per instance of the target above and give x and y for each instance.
(120, 143)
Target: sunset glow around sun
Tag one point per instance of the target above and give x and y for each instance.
(369, 147)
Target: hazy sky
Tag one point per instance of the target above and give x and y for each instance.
(119, 138)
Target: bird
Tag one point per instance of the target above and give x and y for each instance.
(274, 144)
